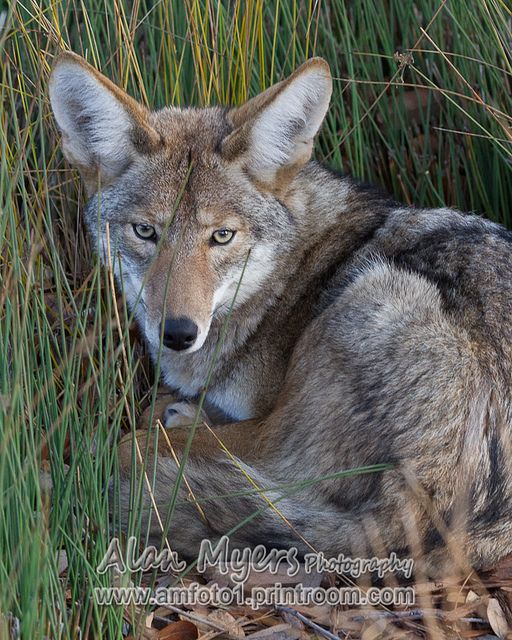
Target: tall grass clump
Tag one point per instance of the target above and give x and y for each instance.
(422, 105)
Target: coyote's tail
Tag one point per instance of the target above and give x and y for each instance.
(228, 497)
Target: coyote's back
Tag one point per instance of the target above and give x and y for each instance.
(329, 327)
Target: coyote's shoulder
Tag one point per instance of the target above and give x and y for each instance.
(327, 326)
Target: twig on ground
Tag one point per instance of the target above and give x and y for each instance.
(312, 625)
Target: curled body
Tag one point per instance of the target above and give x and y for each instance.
(331, 327)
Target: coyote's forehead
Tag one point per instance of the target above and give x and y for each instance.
(186, 172)
(200, 130)
(186, 180)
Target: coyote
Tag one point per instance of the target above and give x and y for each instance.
(329, 327)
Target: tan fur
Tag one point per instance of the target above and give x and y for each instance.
(190, 293)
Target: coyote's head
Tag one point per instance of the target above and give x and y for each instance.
(188, 205)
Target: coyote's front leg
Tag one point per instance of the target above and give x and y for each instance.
(176, 418)
(219, 490)
(162, 410)
(172, 411)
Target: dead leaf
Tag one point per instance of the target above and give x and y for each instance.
(292, 620)
(181, 630)
(497, 618)
(62, 561)
(147, 634)
(227, 622)
(322, 614)
(472, 597)
(277, 632)
(374, 630)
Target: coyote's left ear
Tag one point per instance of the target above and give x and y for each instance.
(103, 128)
(274, 131)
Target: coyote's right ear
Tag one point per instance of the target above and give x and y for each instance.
(103, 129)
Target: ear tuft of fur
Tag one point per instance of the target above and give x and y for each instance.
(98, 121)
(277, 128)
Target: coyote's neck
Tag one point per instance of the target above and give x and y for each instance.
(349, 212)
(336, 217)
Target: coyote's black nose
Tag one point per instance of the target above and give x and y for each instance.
(179, 333)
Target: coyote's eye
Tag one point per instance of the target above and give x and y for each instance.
(144, 231)
(223, 236)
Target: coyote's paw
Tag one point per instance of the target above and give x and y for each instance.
(182, 414)
(151, 415)
(171, 412)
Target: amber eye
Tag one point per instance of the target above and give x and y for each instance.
(144, 231)
(223, 236)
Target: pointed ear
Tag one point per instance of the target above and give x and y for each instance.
(103, 129)
(274, 132)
